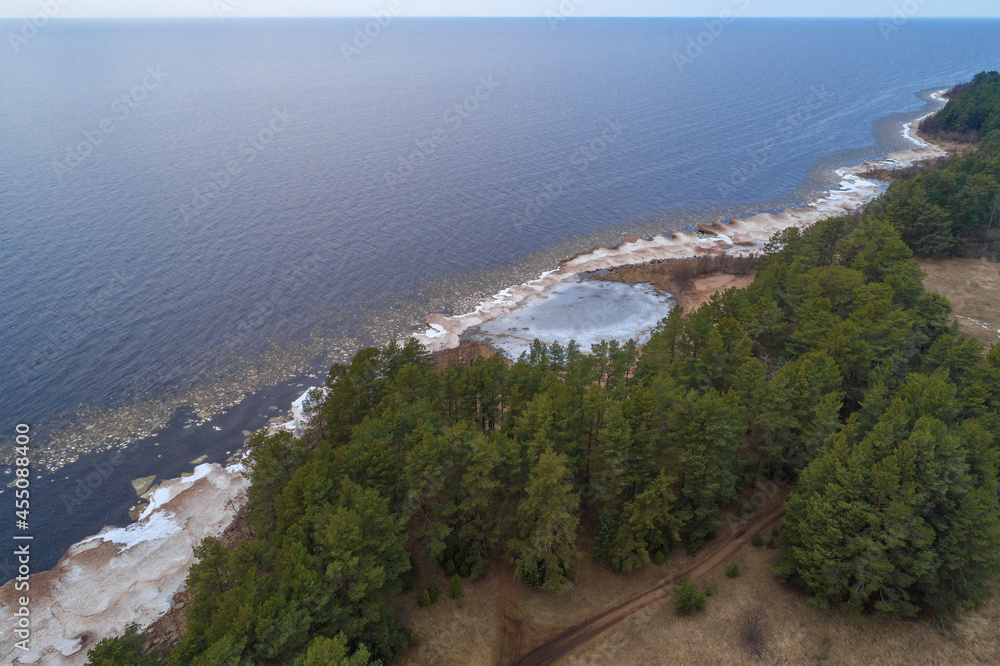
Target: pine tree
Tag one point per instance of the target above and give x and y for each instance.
(708, 432)
(604, 534)
(364, 563)
(648, 526)
(614, 466)
(124, 649)
(455, 587)
(488, 494)
(325, 651)
(884, 524)
(546, 546)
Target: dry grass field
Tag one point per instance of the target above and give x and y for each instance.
(793, 631)
(499, 614)
(973, 287)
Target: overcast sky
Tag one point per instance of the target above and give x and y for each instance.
(251, 8)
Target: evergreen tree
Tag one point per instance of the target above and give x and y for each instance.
(546, 546)
(614, 469)
(604, 534)
(707, 431)
(120, 650)
(325, 651)
(648, 526)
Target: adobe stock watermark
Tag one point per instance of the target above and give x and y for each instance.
(453, 118)
(30, 27)
(580, 160)
(74, 328)
(704, 40)
(265, 311)
(364, 36)
(224, 7)
(121, 110)
(762, 155)
(218, 182)
(90, 482)
(900, 16)
(764, 491)
(565, 10)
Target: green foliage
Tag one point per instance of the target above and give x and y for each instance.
(946, 211)
(325, 651)
(409, 578)
(434, 592)
(733, 570)
(604, 534)
(424, 600)
(546, 546)
(648, 525)
(688, 598)
(455, 587)
(710, 427)
(975, 109)
(121, 650)
(915, 515)
(757, 541)
(833, 368)
(659, 558)
(824, 649)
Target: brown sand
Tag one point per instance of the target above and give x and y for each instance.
(690, 293)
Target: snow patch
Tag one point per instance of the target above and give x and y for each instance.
(165, 492)
(158, 526)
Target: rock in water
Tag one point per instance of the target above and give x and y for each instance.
(142, 485)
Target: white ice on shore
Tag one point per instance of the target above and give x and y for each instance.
(738, 236)
(123, 575)
(301, 412)
(158, 526)
(587, 311)
(166, 492)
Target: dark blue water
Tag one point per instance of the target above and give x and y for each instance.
(190, 211)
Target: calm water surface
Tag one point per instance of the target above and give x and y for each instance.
(191, 211)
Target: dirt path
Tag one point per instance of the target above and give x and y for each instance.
(583, 632)
(510, 639)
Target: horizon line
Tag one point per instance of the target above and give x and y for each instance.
(535, 17)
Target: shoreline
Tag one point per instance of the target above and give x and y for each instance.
(122, 575)
(183, 511)
(735, 237)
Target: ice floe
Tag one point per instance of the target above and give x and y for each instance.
(587, 311)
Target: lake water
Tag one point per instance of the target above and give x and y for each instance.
(196, 216)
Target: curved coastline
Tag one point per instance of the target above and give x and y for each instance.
(737, 236)
(88, 595)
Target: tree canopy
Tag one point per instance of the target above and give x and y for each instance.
(833, 368)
